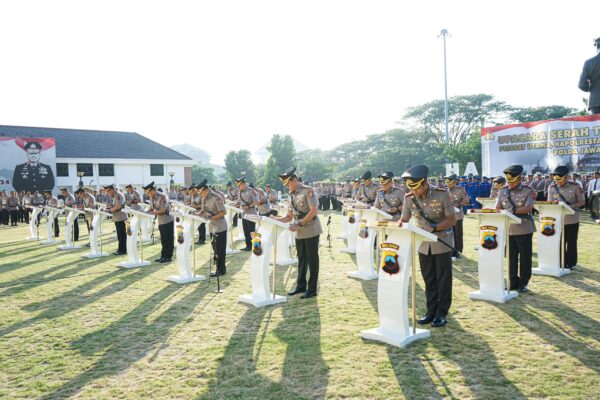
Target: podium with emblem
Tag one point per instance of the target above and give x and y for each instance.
(73, 213)
(96, 233)
(346, 204)
(398, 265)
(365, 243)
(33, 223)
(354, 216)
(493, 242)
(285, 240)
(135, 258)
(231, 212)
(51, 214)
(184, 243)
(487, 202)
(264, 242)
(551, 241)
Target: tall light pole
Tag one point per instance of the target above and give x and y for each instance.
(444, 33)
(171, 183)
(80, 174)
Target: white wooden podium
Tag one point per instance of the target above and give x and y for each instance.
(51, 214)
(493, 243)
(486, 202)
(346, 204)
(365, 243)
(69, 245)
(551, 241)
(285, 239)
(231, 212)
(146, 225)
(96, 233)
(134, 259)
(354, 216)
(33, 224)
(398, 264)
(184, 227)
(267, 230)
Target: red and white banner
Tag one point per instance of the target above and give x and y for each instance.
(27, 164)
(541, 146)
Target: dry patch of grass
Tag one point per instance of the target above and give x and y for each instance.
(73, 327)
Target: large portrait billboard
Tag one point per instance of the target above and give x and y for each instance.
(543, 145)
(27, 164)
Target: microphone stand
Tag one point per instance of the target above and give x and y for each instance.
(329, 231)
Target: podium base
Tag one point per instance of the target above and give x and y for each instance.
(556, 272)
(342, 237)
(230, 251)
(365, 276)
(49, 242)
(133, 264)
(67, 247)
(285, 263)
(182, 279)
(498, 298)
(261, 301)
(394, 339)
(348, 250)
(95, 255)
(32, 238)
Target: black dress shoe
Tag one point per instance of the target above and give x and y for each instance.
(439, 322)
(215, 274)
(571, 267)
(523, 289)
(247, 249)
(159, 260)
(200, 242)
(296, 291)
(165, 260)
(425, 320)
(118, 253)
(307, 295)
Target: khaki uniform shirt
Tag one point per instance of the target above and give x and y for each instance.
(159, 202)
(118, 200)
(89, 202)
(133, 200)
(52, 202)
(70, 200)
(232, 194)
(247, 197)
(302, 199)
(385, 201)
(459, 199)
(494, 192)
(367, 194)
(265, 207)
(522, 196)
(436, 205)
(213, 204)
(13, 203)
(572, 194)
(272, 196)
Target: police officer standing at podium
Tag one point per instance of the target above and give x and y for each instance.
(159, 206)
(305, 205)
(118, 216)
(69, 200)
(434, 212)
(389, 198)
(213, 209)
(518, 199)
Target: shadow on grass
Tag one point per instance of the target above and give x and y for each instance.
(130, 338)
(304, 372)
(533, 319)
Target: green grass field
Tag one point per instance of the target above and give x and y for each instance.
(78, 328)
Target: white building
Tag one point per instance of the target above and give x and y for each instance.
(107, 157)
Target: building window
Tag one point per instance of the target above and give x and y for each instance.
(87, 169)
(157, 170)
(106, 169)
(62, 169)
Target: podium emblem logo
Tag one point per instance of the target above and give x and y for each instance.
(256, 244)
(548, 226)
(488, 238)
(363, 231)
(389, 258)
(351, 218)
(180, 234)
(128, 228)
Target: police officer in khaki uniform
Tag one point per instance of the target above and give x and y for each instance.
(518, 199)
(272, 197)
(264, 205)
(88, 201)
(434, 212)
(459, 200)
(159, 206)
(13, 208)
(213, 208)
(52, 202)
(197, 204)
(233, 196)
(117, 202)
(132, 198)
(305, 204)
(572, 194)
(389, 199)
(69, 200)
(247, 201)
(498, 183)
(368, 191)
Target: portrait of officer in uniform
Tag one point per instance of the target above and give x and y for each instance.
(33, 175)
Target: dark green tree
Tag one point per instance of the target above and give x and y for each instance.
(200, 172)
(239, 163)
(282, 155)
(529, 114)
